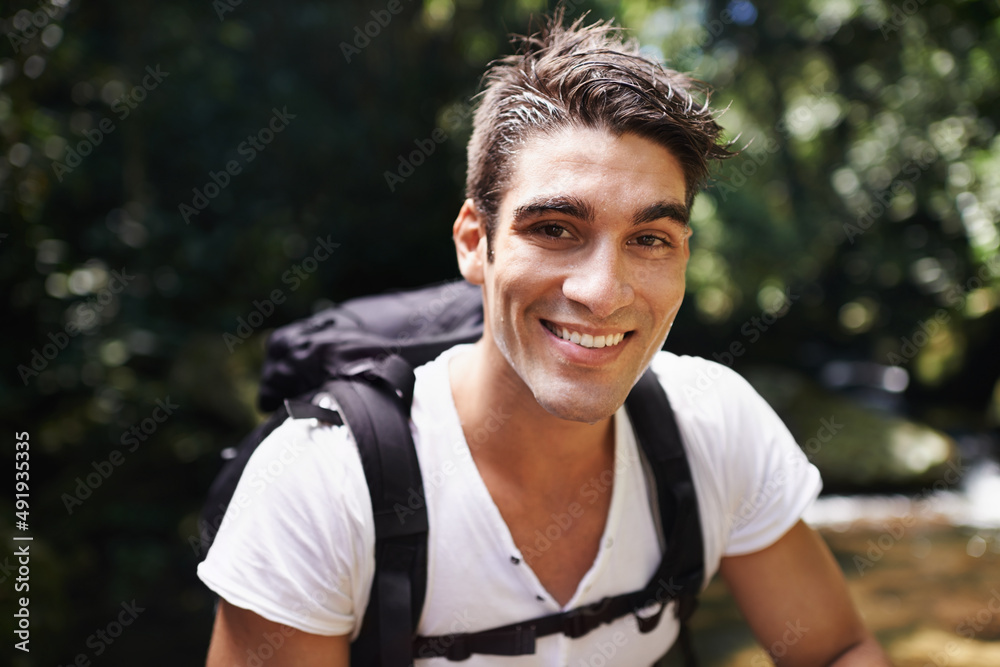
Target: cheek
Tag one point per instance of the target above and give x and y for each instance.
(661, 286)
(518, 283)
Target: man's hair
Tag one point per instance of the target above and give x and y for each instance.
(584, 76)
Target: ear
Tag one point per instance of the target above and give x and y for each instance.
(469, 234)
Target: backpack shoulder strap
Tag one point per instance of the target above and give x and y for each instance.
(681, 574)
(380, 424)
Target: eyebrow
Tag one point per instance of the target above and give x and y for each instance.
(671, 210)
(566, 204)
(578, 208)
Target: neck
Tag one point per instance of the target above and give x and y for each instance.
(509, 432)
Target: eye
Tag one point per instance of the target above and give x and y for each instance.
(553, 231)
(653, 241)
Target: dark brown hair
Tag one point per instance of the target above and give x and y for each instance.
(589, 76)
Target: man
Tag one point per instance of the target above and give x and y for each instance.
(583, 165)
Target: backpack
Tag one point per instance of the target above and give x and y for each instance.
(362, 353)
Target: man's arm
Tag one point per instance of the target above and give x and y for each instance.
(240, 634)
(796, 602)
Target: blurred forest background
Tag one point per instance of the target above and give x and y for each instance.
(849, 261)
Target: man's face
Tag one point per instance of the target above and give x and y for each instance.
(591, 244)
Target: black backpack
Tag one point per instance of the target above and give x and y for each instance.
(363, 353)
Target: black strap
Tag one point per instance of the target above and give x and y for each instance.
(306, 410)
(381, 430)
(683, 564)
(394, 371)
(387, 455)
(679, 576)
(686, 606)
(519, 638)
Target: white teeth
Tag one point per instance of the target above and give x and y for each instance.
(587, 340)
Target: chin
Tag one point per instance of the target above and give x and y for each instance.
(590, 410)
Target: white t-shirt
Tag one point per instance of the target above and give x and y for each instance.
(297, 543)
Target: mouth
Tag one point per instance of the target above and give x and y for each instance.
(587, 340)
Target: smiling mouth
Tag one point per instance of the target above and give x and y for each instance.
(585, 339)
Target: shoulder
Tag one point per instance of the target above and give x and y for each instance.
(722, 418)
(704, 389)
(306, 463)
(297, 542)
(752, 478)
(695, 376)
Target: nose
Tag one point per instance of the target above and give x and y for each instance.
(601, 280)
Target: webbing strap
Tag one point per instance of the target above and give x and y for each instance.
(306, 410)
(519, 638)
